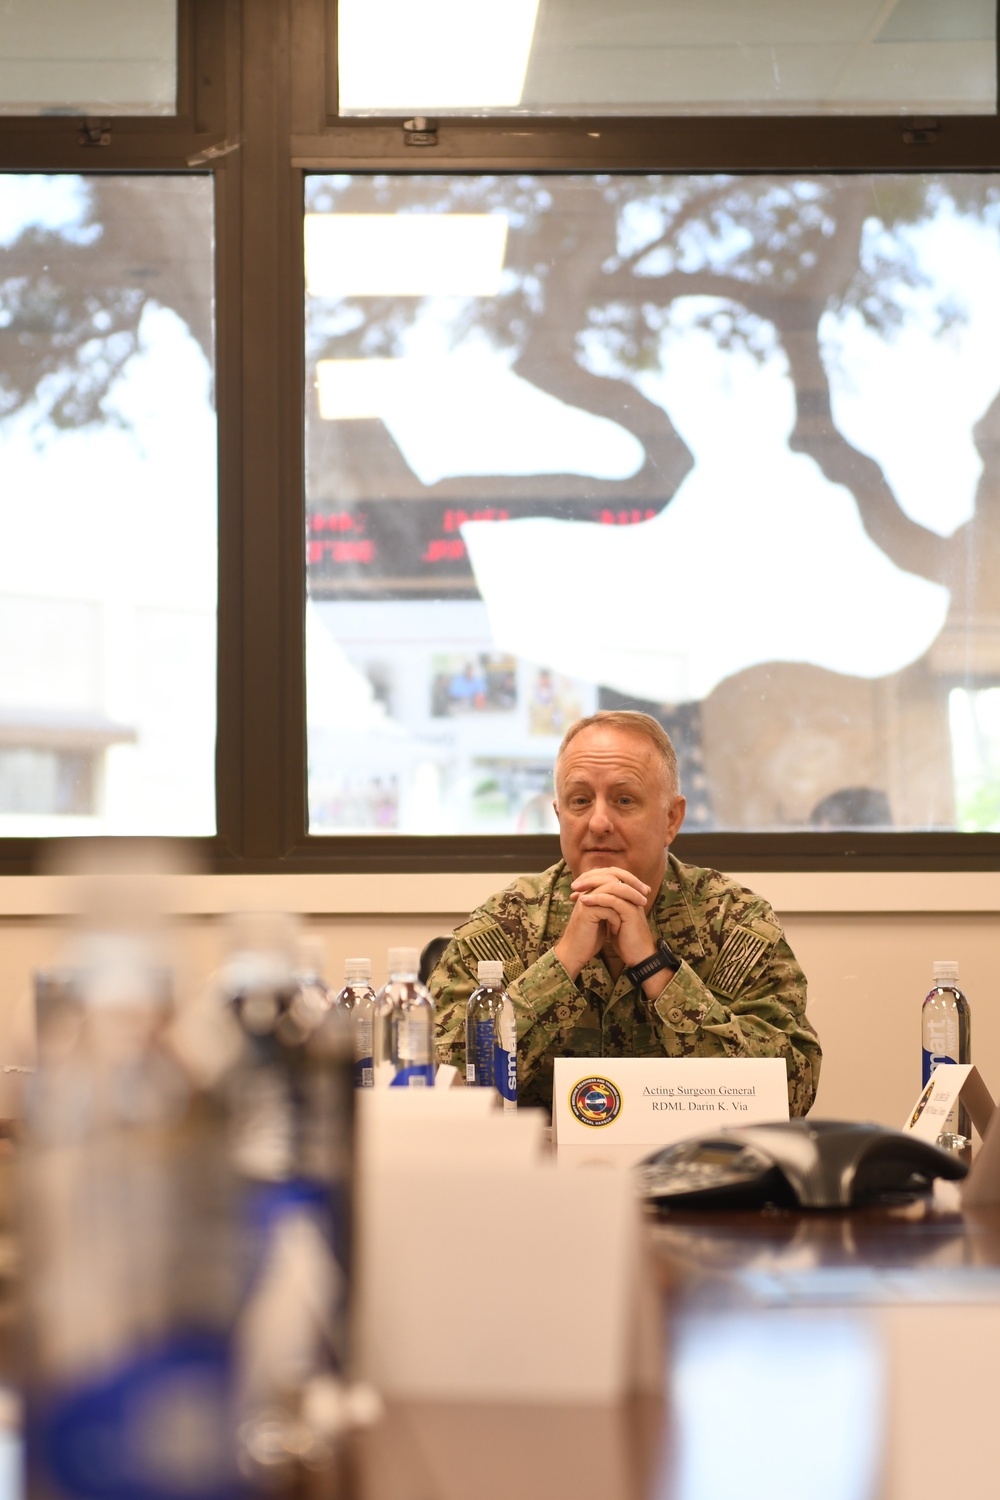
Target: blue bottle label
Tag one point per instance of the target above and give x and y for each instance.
(932, 1060)
(319, 1214)
(156, 1427)
(505, 1073)
(364, 1073)
(414, 1076)
(484, 1042)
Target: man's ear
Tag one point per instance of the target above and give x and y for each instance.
(675, 817)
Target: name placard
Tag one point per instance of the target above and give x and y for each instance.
(949, 1083)
(653, 1101)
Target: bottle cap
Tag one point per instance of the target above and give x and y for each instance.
(357, 970)
(490, 972)
(404, 960)
(271, 932)
(310, 956)
(945, 971)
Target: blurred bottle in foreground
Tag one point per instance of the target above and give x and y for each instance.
(491, 1035)
(131, 1283)
(403, 1043)
(292, 1102)
(313, 998)
(946, 1034)
(358, 999)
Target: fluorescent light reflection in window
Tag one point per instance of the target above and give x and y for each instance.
(470, 414)
(446, 54)
(404, 255)
(669, 57)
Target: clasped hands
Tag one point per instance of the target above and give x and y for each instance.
(609, 910)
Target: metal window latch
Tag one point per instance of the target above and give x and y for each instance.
(94, 132)
(420, 132)
(920, 132)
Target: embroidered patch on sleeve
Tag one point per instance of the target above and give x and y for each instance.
(737, 956)
(487, 940)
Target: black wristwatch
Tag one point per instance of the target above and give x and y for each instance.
(661, 959)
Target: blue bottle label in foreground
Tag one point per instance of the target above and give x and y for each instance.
(505, 1074)
(155, 1427)
(414, 1076)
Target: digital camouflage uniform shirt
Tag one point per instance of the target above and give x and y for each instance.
(738, 993)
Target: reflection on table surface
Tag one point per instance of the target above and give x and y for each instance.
(700, 1252)
(432, 1451)
(824, 1356)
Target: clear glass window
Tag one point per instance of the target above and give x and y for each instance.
(590, 57)
(89, 57)
(723, 449)
(108, 556)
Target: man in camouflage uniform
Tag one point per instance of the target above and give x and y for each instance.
(716, 976)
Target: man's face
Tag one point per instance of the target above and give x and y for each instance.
(613, 805)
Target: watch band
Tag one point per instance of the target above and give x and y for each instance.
(661, 959)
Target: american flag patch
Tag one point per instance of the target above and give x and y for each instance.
(737, 956)
(490, 942)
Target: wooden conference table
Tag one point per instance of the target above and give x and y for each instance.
(822, 1356)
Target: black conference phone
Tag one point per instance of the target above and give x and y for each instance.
(795, 1164)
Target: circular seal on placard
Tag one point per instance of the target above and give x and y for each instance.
(595, 1101)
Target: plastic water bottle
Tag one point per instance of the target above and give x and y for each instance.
(312, 999)
(946, 1033)
(386, 1003)
(359, 1000)
(480, 1024)
(404, 1025)
(292, 1131)
(130, 1249)
(491, 1035)
(505, 1055)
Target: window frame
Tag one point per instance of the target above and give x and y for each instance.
(255, 112)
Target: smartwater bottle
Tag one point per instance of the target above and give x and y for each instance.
(358, 999)
(491, 1035)
(946, 1031)
(505, 1055)
(404, 1025)
(480, 1024)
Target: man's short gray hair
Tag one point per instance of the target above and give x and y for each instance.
(636, 723)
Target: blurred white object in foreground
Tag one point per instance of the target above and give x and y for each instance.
(451, 1191)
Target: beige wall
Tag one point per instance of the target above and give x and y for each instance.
(867, 944)
(868, 974)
